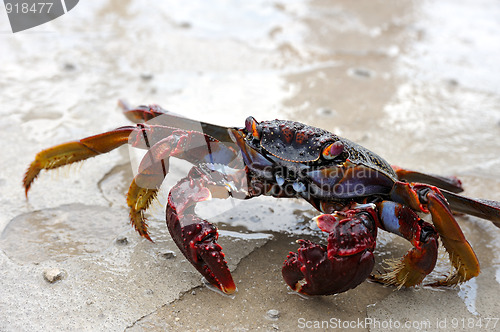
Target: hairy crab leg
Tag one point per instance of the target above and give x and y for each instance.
(421, 259)
(68, 153)
(71, 152)
(75, 151)
(450, 183)
(192, 146)
(138, 200)
(429, 199)
(196, 237)
(163, 141)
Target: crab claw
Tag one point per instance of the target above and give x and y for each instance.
(195, 237)
(198, 242)
(343, 264)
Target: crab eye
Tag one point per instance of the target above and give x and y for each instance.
(333, 150)
(252, 127)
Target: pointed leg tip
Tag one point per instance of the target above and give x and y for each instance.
(146, 236)
(30, 176)
(228, 289)
(123, 104)
(26, 187)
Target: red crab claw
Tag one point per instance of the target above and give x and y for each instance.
(343, 264)
(195, 237)
(198, 243)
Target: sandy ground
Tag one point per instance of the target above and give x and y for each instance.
(416, 82)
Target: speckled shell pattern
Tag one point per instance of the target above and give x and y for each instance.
(297, 142)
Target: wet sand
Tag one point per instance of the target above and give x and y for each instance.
(415, 82)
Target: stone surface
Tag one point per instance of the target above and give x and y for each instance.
(53, 275)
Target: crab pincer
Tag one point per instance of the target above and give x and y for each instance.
(344, 263)
(196, 237)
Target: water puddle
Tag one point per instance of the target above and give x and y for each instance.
(61, 233)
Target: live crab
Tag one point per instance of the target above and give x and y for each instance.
(355, 190)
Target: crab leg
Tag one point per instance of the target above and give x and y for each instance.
(192, 146)
(140, 113)
(140, 136)
(429, 199)
(163, 117)
(451, 183)
(482, 208)
(449, 187)
(68, 153)
(421, 259)
(196, 237)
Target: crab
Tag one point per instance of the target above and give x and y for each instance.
(356, 192)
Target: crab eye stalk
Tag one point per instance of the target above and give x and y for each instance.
(252, 127)
(333, 150)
